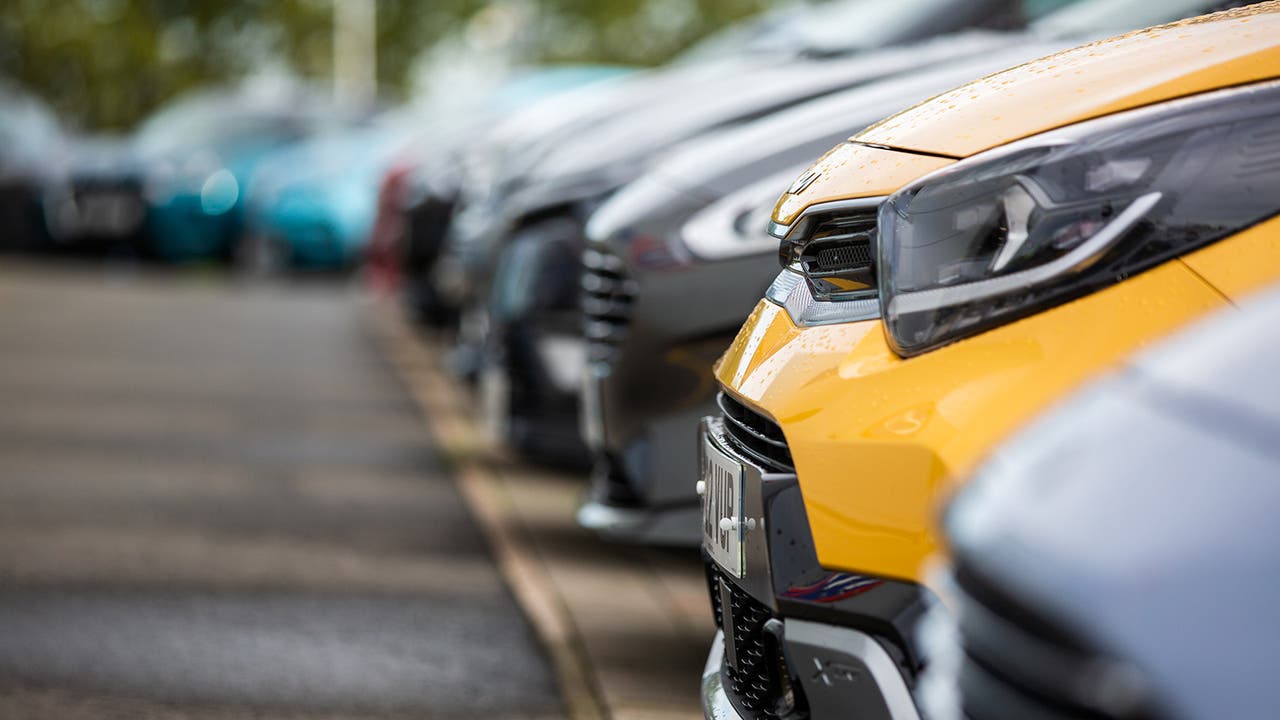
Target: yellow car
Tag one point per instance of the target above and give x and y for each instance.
(1020, 234)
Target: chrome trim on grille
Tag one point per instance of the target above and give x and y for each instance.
(782, 286)
(802, 291)
(785, 232)
(793, 294)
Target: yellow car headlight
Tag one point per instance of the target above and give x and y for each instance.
(1016, 230)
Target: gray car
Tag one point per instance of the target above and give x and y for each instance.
(1118, 558)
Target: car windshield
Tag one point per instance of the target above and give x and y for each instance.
(1108, 17)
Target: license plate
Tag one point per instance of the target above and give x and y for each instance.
(110, 211)
(722, 508)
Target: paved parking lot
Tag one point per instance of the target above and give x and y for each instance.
(218, 501)
(225, 500)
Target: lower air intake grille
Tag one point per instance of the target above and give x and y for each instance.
(837, 255)
(755, 435)
(843, 257)
(754, 686)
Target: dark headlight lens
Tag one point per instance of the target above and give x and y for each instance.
(1042, 221)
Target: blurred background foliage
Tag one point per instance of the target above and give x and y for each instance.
(105, 64)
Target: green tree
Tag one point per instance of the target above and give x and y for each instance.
(105, 64)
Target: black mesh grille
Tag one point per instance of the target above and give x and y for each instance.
(607, 295)
(1020, 666)
(754, 686)
(755, 435)
(843, 257)
(837, 254)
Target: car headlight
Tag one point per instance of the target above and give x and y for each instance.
(1048, 219)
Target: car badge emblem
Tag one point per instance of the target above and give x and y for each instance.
(803, 182)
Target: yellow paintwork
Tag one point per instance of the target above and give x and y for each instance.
(849, 171)
(878, 441)
(1238, 268)
(1120, 73)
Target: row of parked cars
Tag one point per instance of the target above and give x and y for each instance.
(270, 175)
(962, 304)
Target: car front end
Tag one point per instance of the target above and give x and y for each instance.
(794, 640)
(97, 202)
(662, 298)
(675, 260)
(1150, 178)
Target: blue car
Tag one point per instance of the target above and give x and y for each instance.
(312, 205)
(196, 157)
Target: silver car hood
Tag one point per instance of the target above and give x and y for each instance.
(1141, 516)
(719, 164)
(624, 143)
(713, 166)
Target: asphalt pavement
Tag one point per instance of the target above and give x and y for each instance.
(217, 501)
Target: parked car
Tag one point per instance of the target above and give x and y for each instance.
(421, 191)
(196, 157)
(1117, 559)
(94, 201)
(312, 204)
(666, 293)
(550, 208)
(1032, 237)
(31, 148)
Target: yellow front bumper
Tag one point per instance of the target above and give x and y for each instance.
(879, 442)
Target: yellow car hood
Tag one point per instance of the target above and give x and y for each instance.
(1233, 47)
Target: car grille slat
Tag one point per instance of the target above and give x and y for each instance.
(605, 307)
(603, 331)
(746, 428)
(607, 299)
(755, 435)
